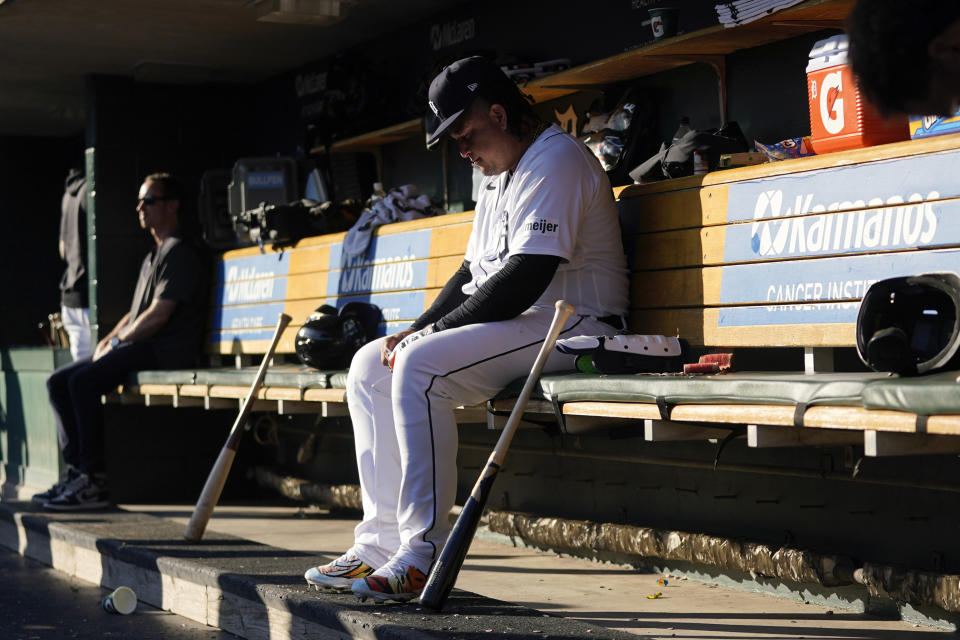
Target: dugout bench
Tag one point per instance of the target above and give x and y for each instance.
(767, 261)
(778, 256)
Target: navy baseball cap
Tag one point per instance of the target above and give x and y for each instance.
(458, 85)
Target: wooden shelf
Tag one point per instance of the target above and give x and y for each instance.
(705, 45)
(367, 141)
(697, 46)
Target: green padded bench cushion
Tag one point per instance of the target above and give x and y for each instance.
(729, 388)
(295, 376)
(934, 394)
(338, 380)
(163, 376)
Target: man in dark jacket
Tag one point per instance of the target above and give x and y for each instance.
(161, 331)
(74, 307)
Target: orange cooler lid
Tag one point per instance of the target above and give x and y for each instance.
(830, 52)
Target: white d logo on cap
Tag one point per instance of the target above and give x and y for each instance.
(433, 107)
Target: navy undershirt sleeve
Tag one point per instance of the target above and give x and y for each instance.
(450, 297)
(506, 294)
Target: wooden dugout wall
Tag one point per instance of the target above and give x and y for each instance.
(780, 254)
(402, 270)
(772, 255)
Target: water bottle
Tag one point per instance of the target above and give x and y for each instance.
(584, 364)
(378, 192)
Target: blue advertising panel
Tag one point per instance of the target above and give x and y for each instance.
(394, 306)
(387, 265)
(252, 279)
(247, 316)
(263, 265)
(924, 177)
(392, 327)
(380, 276)
(229, 335)
(245, 283)
(797, 294)
(823, 313)
(902, 226)
(393, 247)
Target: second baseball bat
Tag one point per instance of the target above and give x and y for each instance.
(447, 567)
(221, 468)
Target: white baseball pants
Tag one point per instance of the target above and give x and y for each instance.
(76, 322)
(404, 427)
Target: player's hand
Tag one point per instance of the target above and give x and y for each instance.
(103, 348)
(390, 343)
(409, 338)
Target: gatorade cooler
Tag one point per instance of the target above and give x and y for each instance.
(839, 117)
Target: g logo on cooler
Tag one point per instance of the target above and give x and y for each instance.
(831, 102)
(656, 23)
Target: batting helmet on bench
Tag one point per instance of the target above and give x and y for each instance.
(910, 325)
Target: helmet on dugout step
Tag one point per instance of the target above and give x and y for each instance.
(360, 323)
(320, 341)
(910, 325)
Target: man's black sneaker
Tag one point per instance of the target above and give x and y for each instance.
(85, 492)
(69, 475)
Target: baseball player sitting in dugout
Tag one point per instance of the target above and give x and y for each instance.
(162, 330)
(545, 228)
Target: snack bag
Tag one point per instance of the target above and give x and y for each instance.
(786, 149)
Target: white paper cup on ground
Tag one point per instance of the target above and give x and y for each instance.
(121, 600)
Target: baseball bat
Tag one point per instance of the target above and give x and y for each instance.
(221, 468)
(447, 567)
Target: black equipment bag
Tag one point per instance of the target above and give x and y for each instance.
(284, 224)
(676, 160)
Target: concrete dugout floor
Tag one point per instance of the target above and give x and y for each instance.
(601, 594)
(40, 603)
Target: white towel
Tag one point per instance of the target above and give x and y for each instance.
(403, 203)
(738, 12)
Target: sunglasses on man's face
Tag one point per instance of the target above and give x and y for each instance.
(149, 200)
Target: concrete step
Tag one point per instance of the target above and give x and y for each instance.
(252, 590)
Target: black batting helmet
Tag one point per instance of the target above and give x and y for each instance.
(360, 323)
(911, 325)
(320, 341)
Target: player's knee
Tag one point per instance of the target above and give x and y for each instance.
(365, 365)
(79, 386)
(415, 373)
(54, 383)
(58, 382)
(408, 363)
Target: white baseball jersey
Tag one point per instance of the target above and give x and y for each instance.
(557, 202)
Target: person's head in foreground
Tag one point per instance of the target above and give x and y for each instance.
(906, 54)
